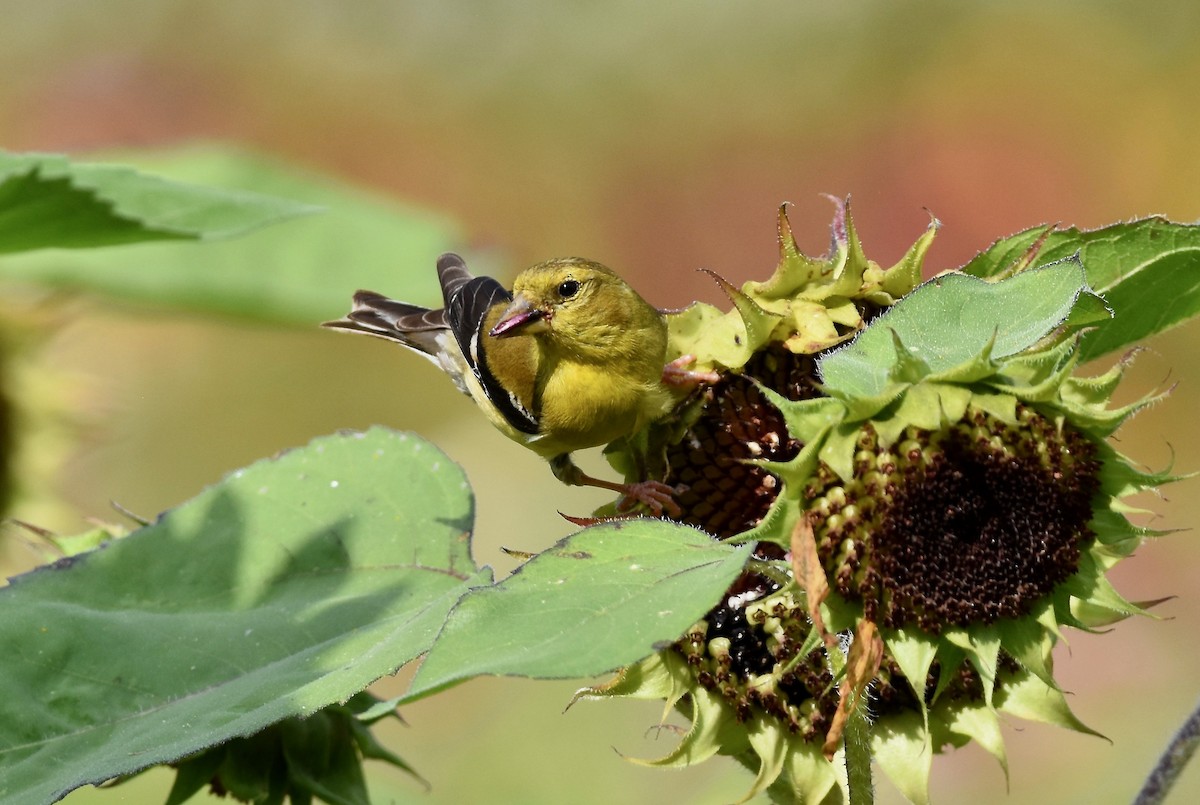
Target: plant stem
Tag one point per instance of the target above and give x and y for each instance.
(1172, 762)
(857, 741)
(776, 571)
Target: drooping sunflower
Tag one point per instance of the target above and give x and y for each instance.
(933, 498)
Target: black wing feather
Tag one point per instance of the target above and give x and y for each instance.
(452, 276)
(467, 307)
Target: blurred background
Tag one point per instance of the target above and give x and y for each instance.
(659, 139)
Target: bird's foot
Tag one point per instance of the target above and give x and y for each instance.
(654, 495)
(677, 374)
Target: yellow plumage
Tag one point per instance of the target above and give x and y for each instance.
(573, 358)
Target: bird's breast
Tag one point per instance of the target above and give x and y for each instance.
(585, 405)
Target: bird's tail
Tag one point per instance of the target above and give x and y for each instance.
(411, 325)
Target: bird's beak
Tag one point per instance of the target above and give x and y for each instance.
(520, 318)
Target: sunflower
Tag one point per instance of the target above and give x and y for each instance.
(933, 497)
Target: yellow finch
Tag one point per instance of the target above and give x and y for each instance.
(572, 358)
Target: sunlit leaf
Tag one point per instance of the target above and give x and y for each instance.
(600, 599)
(950, 321)
(288, 586)
(1148, 271)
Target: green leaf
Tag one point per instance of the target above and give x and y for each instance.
(193, 774)
(914, 651)
(298, 274)
(950, 321)
(902, 748)
(980, 724)
(46, 201)
(1148, 271)
(322, 759)
(1025, 696)
(288, 586)
(599, 599)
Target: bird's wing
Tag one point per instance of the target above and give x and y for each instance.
(452, 276)
(469, 299)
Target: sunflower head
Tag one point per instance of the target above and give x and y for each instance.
(932, 496)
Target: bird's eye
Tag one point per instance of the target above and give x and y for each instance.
(568, 289)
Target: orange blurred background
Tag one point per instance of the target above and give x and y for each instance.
(658, 139)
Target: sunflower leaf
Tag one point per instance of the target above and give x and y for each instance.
(599, 599)
(287, 587)
(1148, 272)
(297, 274)
(46, 200)
(951, 321)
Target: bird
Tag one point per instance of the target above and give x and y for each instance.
(572, 358)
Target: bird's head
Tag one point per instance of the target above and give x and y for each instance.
(575, 303)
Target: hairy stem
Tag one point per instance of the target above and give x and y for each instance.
(1172, 762)
(858, 757)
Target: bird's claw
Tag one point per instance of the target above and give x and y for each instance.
(655, 495)
(677, 374)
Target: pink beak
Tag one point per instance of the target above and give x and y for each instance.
(520, 317)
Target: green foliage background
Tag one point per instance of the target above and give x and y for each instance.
(657, 140)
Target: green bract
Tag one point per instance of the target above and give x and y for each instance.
(807, 304)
